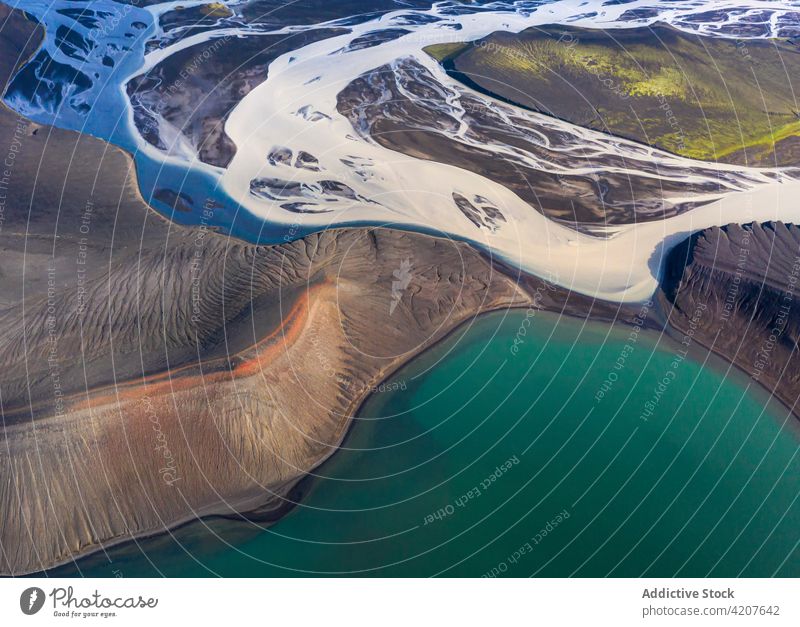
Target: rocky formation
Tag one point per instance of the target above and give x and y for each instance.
(735, 291)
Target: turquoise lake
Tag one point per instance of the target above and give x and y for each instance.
(486, 461)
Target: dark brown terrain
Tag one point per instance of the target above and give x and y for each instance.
(736, 290)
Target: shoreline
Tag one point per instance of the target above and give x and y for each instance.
(286, 505)
(355, 408)
(772, 395)
(285, 508)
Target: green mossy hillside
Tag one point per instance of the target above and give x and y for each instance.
(700, 97)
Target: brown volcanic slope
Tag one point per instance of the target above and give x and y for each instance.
(154, 373)
(101, 462)
(738, 285)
